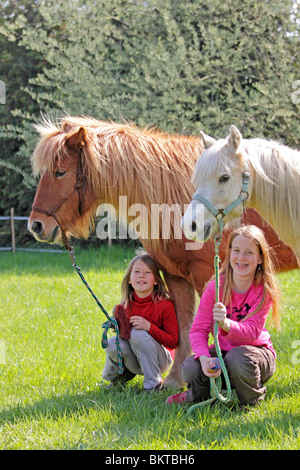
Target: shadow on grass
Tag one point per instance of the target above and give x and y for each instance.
(111, 401)
(132, 414)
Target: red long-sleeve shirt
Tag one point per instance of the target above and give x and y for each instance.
(161, 314)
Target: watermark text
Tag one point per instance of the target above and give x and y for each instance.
(296, 354)
(296, 94)
(2, 92)
(136, 221)
(2, 352)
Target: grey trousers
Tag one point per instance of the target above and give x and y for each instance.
(141, 354)
(248, 367)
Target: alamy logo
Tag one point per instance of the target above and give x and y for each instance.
(2, 352)
(296, 354)
(2, 92)
(137, 221)
(296, 93)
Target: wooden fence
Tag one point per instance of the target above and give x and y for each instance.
(13, 247)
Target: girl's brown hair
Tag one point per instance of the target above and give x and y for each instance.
(159, 291)
(264, 273)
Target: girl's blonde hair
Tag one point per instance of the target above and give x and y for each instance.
(159, 291)
(264, 273)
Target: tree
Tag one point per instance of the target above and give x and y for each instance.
(17, 66)
(183, 66)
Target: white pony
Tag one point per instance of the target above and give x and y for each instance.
(273, 188)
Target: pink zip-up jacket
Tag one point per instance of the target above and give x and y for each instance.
(252, 331)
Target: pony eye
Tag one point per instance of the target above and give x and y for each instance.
(224, 178)
(59, 173)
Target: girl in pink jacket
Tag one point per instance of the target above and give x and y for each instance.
(248, 290)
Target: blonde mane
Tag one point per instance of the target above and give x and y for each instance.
(148, 166)
(276, 185)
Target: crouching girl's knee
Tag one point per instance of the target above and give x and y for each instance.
(239, 364)
(138, 337)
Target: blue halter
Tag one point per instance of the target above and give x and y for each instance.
(221, 213)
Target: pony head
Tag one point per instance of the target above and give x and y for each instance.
(217, 178)
(63, 199)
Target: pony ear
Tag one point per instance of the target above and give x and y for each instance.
(207, 141)
(76, 139)
(235, 137)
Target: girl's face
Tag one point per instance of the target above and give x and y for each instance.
(142, 279)
(244, 257)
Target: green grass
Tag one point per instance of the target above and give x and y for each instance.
(52, 395)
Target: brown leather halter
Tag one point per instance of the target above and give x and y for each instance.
(78, 186)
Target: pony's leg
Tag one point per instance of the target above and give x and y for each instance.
(183, 295)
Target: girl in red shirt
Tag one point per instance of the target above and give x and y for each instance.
(149, 351)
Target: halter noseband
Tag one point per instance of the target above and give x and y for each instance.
(221, 213)
(78, 186)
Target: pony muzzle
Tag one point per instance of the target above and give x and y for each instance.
(206, 231)
(37, 228)
(193, 228)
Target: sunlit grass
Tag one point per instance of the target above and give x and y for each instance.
(52, 395)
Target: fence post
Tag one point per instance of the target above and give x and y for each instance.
(109, 232)
(12, 224)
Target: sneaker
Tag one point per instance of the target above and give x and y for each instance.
(155, 389)
(177, 398)
(122, 378)
(249, 406)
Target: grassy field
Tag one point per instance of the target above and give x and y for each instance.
(52, 395)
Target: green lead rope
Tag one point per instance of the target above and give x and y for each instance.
(111, 321)
(216, 383)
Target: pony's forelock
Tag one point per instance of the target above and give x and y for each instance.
(49, 147)
(207, 165)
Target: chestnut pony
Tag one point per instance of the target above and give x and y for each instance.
(84, 162)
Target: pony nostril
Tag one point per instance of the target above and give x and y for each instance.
(37, 227)
(207, 228)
